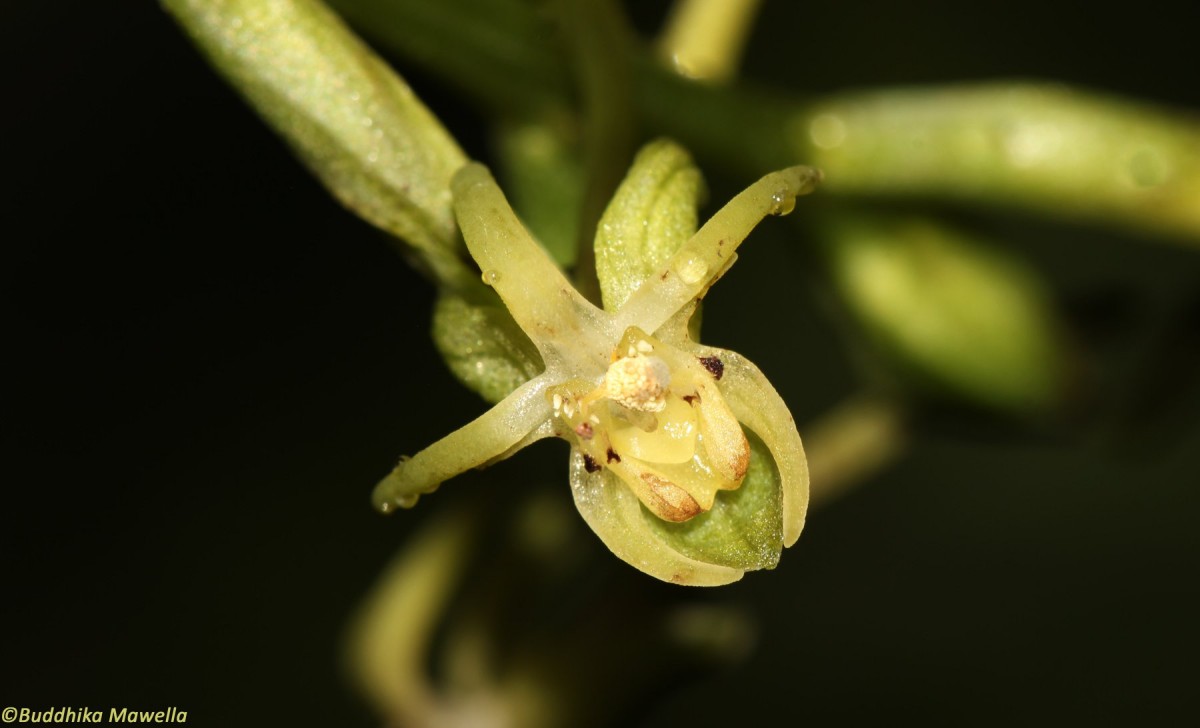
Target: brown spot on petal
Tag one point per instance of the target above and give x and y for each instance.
(671, 503)
(742, 464)
(733, 466)
(714, 365)
(612, 455)
(691, 399)
(589, 464)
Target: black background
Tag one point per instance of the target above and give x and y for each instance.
(210, 363)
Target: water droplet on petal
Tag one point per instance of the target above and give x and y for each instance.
(491, 277)
(692, 270)
(407, 501)
(782, 203)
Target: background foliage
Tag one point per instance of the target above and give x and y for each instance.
(214, 362)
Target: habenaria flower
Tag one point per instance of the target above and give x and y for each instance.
(661, 467)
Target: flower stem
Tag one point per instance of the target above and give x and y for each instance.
(704, 39)
(390, 639)
(860, 437)
(1044, 148)
(1058, 151)
(597, 43)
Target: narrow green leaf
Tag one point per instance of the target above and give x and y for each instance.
(349, 117)
(744, 529)
(652, 213)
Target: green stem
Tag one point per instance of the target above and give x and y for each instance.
(391, 637)
(860, 437)
(1058, 151)
(597, 43)
(704, 38)
(1043, 148)
(497, 51)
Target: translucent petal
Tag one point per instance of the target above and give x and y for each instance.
(562, 323)
(725, 446)
(486, 438)
(672, 441)
(675, 492)
(703, 258)
(758, 406)
(614, 513)
(744, 528)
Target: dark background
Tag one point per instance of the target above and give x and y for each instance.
(211, 363)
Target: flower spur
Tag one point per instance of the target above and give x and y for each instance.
(652, 415)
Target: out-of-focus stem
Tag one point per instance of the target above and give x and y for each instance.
(390, 640)
(352, 121)
(704, 39)
(1045, 148)
(1059, 151)
(850, 444)
(497, 51)
(598, 46)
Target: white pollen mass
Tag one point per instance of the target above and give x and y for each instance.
(638, 382)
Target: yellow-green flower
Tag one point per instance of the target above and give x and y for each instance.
(655, 419)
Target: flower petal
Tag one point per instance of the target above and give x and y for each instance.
(561, 323)
(486, 438)
(758, 406)
(744, 528)
(615, 514)
(704, 257)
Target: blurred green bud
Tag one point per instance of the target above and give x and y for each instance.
(348, 116)
(651, 214)
(483, 346)
(954, 315)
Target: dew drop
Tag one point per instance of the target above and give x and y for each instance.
(491, 277)
(407, 501)
(782, 203)
(692, 270)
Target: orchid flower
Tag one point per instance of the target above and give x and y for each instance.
(657, 422)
